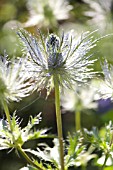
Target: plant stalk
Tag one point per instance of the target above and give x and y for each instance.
(7, 114)
(27, 158)
(18, 147)
(78, 120)
(83, 167)
(59, 123)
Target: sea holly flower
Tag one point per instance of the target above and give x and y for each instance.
(13, 85)
(58, 62)
(106, 85)
(65, 58)
(46, 13)
(82, 98)
(100, 13)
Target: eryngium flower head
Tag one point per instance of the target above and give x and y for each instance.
(45, 13)
(100, 13)
(82, 98)
(106, 85)
(63, 58)
(14, 84)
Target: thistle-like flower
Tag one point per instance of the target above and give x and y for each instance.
(44, 13)
(106, 85)
(66, 59)
(100, 13)
(13, 85)
(83, 97)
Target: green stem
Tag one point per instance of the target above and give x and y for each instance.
(59, 123)
(103, 166)
(6, 109)
(27, 158)
(77, 120)
(7, 114)
(83, 167)
(18, 147)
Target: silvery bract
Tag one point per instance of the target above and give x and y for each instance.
(83, 97)
(106, 85)
(14, 84)
(21, 135)
(100, 13)
(64, 58)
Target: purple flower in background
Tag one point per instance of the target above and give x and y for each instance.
(104, 105)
